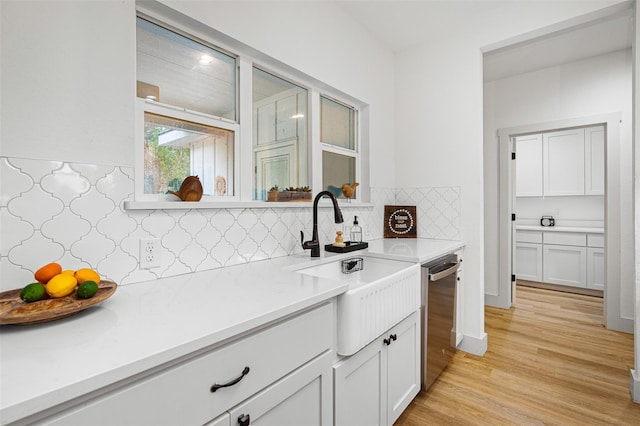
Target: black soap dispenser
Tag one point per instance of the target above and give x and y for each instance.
(356, 232)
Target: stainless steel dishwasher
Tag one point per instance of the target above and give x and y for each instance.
(438, 290)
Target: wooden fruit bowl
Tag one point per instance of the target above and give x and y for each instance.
(14, 310)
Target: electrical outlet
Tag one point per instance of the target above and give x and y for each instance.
(150, 253)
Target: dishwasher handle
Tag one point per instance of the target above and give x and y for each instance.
(438, 274)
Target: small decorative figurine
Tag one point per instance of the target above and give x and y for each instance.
(190, 190)
(349, 190)
(339, 242)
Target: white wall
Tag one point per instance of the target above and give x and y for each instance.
(67, 81)
(439, 117)
(68, 71)
(597, 85)
(585, 211)
(634, 381)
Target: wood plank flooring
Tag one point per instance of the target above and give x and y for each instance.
(550, 361)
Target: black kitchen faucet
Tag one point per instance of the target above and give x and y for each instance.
(314, 244)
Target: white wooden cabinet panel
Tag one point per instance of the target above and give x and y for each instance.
(525, 236)
(403, 368)
(360, 387)
(563, 162)
(564, 265)
(595, 240)
(301, 398)
(529, 261)
(595, 268)
(529, 166)
(565, 238)
(594, 149)
(374, 386)
(182, 394)
(223, 420)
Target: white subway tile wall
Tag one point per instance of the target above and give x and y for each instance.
(73, 214)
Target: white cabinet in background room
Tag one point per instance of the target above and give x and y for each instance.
(563, 163)
(595, 261)
(529, 255)
(281, 374)
(375, 385)
(594, 148)
(529, 166)
(564, 265)
(574, 259)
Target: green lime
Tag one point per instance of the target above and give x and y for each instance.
(32, 292)
(87, 289)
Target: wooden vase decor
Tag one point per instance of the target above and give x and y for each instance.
(190, 189)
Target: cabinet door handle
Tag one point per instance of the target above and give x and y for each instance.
(216, 386)
(392, 338)
(244, 420)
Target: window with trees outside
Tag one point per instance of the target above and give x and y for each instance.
(187, 97)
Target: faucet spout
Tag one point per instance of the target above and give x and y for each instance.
(314, 244)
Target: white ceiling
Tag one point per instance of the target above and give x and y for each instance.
(403, 24)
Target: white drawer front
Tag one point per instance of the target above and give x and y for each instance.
(595, 240)
(566, 238)
(529, 236)
(182, 395)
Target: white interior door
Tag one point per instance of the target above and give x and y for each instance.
(275, 166)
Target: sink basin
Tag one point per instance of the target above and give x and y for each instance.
(379, 296)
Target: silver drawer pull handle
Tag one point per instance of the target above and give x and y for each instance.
(216, 386)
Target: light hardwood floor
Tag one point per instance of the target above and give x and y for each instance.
(550, 361)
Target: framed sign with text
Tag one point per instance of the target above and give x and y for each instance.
(400, 222)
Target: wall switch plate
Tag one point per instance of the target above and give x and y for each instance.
(149, 253)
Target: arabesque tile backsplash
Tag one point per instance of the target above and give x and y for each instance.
(73, 214)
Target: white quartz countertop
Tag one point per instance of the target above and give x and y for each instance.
(419, 250)
(560, 229)
(147, 324)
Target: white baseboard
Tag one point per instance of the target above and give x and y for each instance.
(634, 385)
(474, 345)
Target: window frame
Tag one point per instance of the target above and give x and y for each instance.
(246, 59)
(335, 149)
(146, 105)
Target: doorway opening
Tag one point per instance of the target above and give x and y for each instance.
(549, 244)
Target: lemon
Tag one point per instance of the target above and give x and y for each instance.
(87, 289)
(61, 285)
(32, 292)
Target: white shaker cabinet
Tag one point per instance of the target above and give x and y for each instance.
(275, 373)
(529, 255)
(295, 400)
(529, 166)
(574, 259)
(565, 265)
(563, 162)
(376, 384)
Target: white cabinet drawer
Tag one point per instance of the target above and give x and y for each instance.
(529, 236)
(566, 238)
(595, 240)
(182, 394)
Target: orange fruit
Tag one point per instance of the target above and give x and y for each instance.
(61, 285)
(48, 271)
(87, 274)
